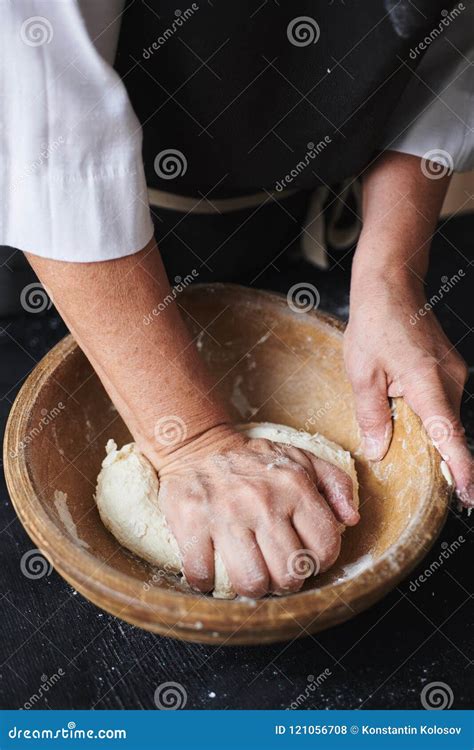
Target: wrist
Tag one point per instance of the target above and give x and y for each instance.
(212, 440)
(379, 261)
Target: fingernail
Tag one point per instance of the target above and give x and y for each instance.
(373, 447)
(466, 496)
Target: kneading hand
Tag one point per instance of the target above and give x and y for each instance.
(257, 504)
(389, 351)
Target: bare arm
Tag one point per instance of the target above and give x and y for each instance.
(390, 350)
(151, 370)
(257, 517)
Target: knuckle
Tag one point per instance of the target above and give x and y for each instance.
(460, 368)
(362, 379)
(371, 419)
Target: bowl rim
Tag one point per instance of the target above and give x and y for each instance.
(180, 614)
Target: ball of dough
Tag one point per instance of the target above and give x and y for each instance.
(127, 497)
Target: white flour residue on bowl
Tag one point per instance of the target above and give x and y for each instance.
(60, 503)
(200, 341)
(240, 400)
(353, 569)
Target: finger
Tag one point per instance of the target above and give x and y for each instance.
(319, 531)
(243, 561)
(197, 553)
(373, 414)
(280, 546)
(441, 421)
(337, 488)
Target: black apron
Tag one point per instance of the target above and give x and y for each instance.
(239, 97)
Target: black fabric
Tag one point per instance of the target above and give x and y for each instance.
(239, 246)
(229, 90)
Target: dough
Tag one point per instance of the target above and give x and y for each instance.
(127, 497)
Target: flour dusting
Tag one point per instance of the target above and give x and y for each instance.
(240, 400)
(60, 503)
(353, 569)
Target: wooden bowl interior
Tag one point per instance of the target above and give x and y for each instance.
(269, 364)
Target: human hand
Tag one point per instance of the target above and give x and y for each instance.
(390, 350)
(258, 504)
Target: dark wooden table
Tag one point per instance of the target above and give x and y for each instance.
(383, 658)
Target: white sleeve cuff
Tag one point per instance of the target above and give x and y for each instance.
(72, 182)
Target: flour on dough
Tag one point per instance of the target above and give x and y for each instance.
(128, 502)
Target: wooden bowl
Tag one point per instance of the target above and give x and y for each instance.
(272, 364)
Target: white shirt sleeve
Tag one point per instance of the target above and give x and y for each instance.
(72, 184)
(435, 116)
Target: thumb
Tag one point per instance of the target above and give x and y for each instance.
(441, 421)
(373, 415)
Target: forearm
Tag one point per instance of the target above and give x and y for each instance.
(401, 207)
(152, 371)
